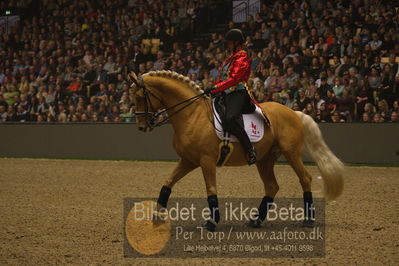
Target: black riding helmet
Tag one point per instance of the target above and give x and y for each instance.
(235, 35)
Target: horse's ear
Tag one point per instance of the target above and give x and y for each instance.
(133, 78)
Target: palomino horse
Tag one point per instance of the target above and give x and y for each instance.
(195, 141)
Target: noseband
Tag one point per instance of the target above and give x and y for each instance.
(149, 111)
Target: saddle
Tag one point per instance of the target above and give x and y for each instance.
(252, 121)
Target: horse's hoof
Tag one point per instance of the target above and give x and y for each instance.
(158, 219)
(209, 225)
(254, 223)
(308, 223)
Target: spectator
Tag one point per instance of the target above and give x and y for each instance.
(126, 115)
(309, 110)
(394, 117)
(345, 106)
(331, 102)
(302, 100)
(291, 77)
(374, 79)
(377, 118)
(365, 118)
(386, 87)
(375, 43)
(369, 109)
(3, 113)
(21, 115)
(274, 82)
(335, 117)
(383, 110)
(323, 88)
(66, 62)
(338, 87)
(160, 63)
(318, 101)
(323, 114)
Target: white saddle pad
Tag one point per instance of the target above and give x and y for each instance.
(253, 123)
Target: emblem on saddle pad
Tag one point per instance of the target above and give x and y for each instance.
(254, 125)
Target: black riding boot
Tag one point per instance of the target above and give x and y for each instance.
(234, 127)
(236, 102)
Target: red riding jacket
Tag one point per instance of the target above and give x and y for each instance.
(234, 74)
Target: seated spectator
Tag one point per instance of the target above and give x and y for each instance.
(194, 69)
(255, 60)
(21, 115)
(383, 110)
(302, 100)
(126, 115)
(377, 118)
(84, 118)
(375, 43)
(305, 80)
(374, 79)
(369, 109)
(291, 77)
(318, 101)
(386, 89)
(395, 106)
(345, 106)
(309, 110)
(394, 117)
(3, 114)
(76, 86)
(331, 101)
(323, 88)
(323, 115)
(258, 42)
(288, 98)
(338, 87)
(274, 82)
(336, 118)
(295, 107)
(365, 118)
(344, 66)
(377, 65)
(160, 62)
(364, 96)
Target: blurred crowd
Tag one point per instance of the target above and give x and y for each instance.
(67, 60)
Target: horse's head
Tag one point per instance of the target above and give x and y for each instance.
(146, 103)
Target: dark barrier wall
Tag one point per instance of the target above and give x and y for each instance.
(353, 143)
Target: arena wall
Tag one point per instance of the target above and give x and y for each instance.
(352, 142)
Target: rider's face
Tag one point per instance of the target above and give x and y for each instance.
(230, 46)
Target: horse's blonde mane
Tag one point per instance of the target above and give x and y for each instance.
(175, 76)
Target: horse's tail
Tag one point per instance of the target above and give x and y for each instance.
(330, 166)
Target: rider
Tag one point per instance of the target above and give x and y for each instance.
(232, 84)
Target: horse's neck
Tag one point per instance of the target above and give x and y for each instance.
(173, 94)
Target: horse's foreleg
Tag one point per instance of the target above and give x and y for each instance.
(182, 169)
(266, 171)
(209, 171)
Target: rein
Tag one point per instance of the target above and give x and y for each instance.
(151, 117)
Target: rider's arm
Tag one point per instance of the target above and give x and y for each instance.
(238, 71)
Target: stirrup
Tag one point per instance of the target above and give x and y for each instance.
(251, 156)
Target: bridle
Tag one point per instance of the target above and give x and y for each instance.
(151, 116)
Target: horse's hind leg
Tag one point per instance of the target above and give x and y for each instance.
(295, 160)
(266, 171)
(182, 169)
